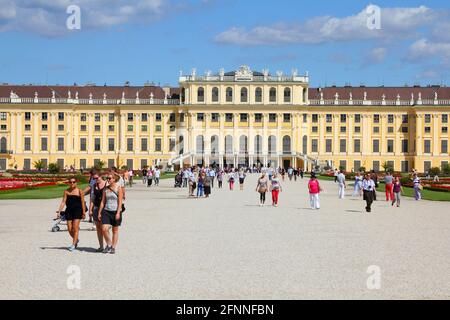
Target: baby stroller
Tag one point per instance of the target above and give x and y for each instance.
(58, 221)
(178, 181)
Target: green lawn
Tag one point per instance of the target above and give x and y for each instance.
(50, 192)
(426, 194)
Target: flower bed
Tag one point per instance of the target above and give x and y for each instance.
(18, 184)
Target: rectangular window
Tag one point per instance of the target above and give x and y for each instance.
(83, 146)
(272, 117)
(376, 166)
(427, 146)
(390, 129)
(357, 165)
(130, 128)
(83, 128)
(428, 118)
(158, 144)
(44, 144)
(444, 164)
(111, 117)
(111, 144)
(144, 145)
(427, 129)
(444, 146)
(315, 129)
(97, 145)
(172, 117)
(60, 116)
(97, 117)
(44, 127)
(144, 117)
(130, 117)
(158, 128)
(357, 145)
(404, 118)
(426, 166)
(390, 146)
(444, 129)
(60, 127)
(28, 127)
(286, 117)
(343, 165)
(27, 116)
(357, 118)
(243, 117)
(172, 144)
(111, 128)
(144, 128)
(405, 166)
(376, 145)
(329, 118)
(200, 117)
(130, 146)
(342, 145)
(357, 129)
(3, 116)
(144, 163)
(83, 117)
(172, 128)
(343, 118)
(315, 118)
(390, 118)
(97, 128)
(305, 117)
(27, 144)
(60, 144)
(404, 129)
(214, 117)
(44, 116)
(181, 117)
(376, 129)
(26, 164)
(328, 145)
(3, 127)
(158, 117)
(343, 129)
(445, 118)
(314, 145)
(376, 118)
(229, 117)
(329, 129)
(404, 146)
(258, 117)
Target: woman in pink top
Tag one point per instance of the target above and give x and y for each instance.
(314, 190)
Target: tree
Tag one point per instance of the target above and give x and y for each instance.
(53, 168)
(362, 169)
(387, 167)
(99, 165)
(39, 165)
(434, 171)
(446, 169)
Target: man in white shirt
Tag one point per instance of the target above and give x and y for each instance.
(341, 180)
(157, 176)
(212, 175)
(368, 186)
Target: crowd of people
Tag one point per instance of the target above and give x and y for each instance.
(107, 193)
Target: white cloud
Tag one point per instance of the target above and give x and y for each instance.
(48, 17)
(377, 55)
(423, 48)
(395, 23)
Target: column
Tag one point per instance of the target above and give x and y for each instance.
(19, 141)
(36, 136)
(12, 136)
(419, 138)
(151, 135)
(366, 144)
(52, 133)
(121, 133)
(137, 136)
(436, 145)
(321, 134)
(104, 123)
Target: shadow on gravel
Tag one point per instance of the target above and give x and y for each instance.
(82, 249)
(354, 211)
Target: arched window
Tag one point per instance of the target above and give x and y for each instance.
(258, 144)
(201, 95)
(200, 145)
(3, 145)
(244, 95)
(214, 145)
(215, 94)
(273, 95)
(181, 144)
(286, 144)
(305, 145)
(272, 144)
(243, 145)
(228, 144)
(229, 95)
(258, 95)
(287, 95)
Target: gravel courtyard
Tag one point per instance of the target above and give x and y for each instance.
(227, 247)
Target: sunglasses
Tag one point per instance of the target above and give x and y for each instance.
(109, 178)
(72, 182)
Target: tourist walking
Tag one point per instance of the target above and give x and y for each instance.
(97, 198)
(388, 185)
(192, 184)
(149, 178)
(262, 188)
(275, 188)
(212, 176)
(358, 185)
(144, 176)
(220, 178)
(185, 177)
(336, 173)
(417, 187)
(207, 182)
(130, 177)
(302, 173)
(368, 186)
(398, 190)
(342, 185)
(200, 184)
(290, 173)
(314, 191)
(242, 177)
(73, 201)
(157, 176)
(90, 190)
(110, 213)
(374, 177)
(231, 178)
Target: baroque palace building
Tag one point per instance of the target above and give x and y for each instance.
(239, 118)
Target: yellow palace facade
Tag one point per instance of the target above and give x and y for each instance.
(238, 118)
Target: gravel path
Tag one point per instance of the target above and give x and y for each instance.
(227, 247)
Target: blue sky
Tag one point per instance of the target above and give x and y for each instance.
(152, 40)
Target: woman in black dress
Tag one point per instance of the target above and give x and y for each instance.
(73, 200)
